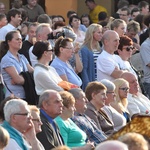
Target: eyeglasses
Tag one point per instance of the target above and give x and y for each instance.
(28, 114)
(37, 120)
(124, 89)
(129, 48)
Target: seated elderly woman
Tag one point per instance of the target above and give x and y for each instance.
(96, 94)
(121, 91)
(45, 76)
(117, 118)
(72, 135)
(64, 50)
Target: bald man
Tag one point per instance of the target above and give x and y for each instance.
(107, 62)
(112, 145)
(137, 102)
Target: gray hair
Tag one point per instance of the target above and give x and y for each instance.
(13, 106)
(76, 92)
(40, 27)
(45, 96)
(109, 85)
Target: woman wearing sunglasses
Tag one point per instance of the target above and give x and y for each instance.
(125, 50)
(121, 91)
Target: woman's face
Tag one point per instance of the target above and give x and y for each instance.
(97, 35)
(70, 110)
(85, 21)
(100, 98)
(36, 121)
(75, 23)
(49, 53)
(67, 51)
(126, 52)
(121, 29)
(16, 42)
(123, 91)
(111, 97)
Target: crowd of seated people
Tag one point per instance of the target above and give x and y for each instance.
(86, 87)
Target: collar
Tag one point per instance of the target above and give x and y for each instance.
(50, 120)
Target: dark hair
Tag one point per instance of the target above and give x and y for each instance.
(124, 41)
(140, 19)
(93, 87)
(135, 9)
(86, 15)
(4, 44)
(102, 16)
(39, 48)
(122, 3)
(147, 20)
(12, 13)
(103, 23)
(60, 16)
(61, 42)
(59, 23)
(126, 9)
(43, 18)
(71, 19)
(89, 1)
(142, 4)
(70, 12)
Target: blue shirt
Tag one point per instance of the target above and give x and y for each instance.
(10, 61)
(64, 68)
(89, 127)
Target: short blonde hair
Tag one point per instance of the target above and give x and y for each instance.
(4, 137)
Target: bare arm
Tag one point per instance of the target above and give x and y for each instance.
(117, 73)
(64, 78)
(79, 65)
(16, 78)
(30, 68)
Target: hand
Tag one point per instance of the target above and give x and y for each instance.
(76, 47)
(90, 146)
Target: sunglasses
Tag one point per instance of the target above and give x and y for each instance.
(129, 48)
(124, 89)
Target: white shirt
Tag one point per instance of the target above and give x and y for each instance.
(33, 58)
(106, 63)
(4, 30)
(138, 104)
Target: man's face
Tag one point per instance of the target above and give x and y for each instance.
(124, 16)
(133, 84)
(22, 120)
(44, 33)
(131, 34)
(32, 2)
(90, 5)
(32, 33)
(16, 20)
(53, 107)
(113, 42)
(135, 14)
(81, 103)
(145, 10)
